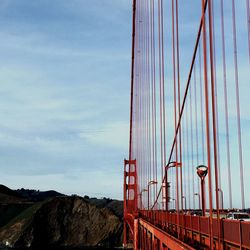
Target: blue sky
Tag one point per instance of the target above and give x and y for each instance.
(64, 106)
(65, 85)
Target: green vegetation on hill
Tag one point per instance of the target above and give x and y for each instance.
(37, 195)
(10, 211)
(14, 202)
(30, 218)
(7, 191)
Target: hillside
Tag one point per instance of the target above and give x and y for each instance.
(9, 196)
(31, 218)
(115, 206)
(63, 221)
(36, 195)
(14, 202)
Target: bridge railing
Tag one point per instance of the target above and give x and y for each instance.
(196, 230)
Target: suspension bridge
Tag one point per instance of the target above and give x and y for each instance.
(186, 176)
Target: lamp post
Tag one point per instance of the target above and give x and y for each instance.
(202, 172)
(149, 184)
(222, 202)
(185, 202)
(171, 164)
(174, 203)
(140, 195)
(199, 197)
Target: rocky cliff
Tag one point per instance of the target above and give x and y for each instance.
(63, 221)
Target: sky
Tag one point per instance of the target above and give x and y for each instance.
(65, 91)
(65, 84)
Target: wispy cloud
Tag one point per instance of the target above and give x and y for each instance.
(64, 94)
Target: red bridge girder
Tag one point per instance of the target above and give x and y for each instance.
(159, 230)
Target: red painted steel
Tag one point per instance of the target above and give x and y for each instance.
(163, 237)
(161, 210)
(132, 80)
(130, 208)
(234, 233)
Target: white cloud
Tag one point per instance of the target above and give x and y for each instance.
(112, 135)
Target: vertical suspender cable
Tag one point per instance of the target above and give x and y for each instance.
(140, 60)
(196, 123)
(207, 122)
(151, 100)
(226, 105)
(174, 70)
(139, 104)
(238, 107)
(188, 158)
(154, 170)
(201, 108)
(145, 82)
(174, 17)
(142, 146)
(214, 123)
(179, 91)
(147, 90)
(248, 26)
(163, 89)
(152, 90)
(216, 98)
(155, 103)
(191, 140)
(132, 85)
(184, 160)
(160, 85)
(175, 103)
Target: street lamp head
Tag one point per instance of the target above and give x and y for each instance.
(202, 171)
(144, 190)
(172, 164)
(152, 182)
